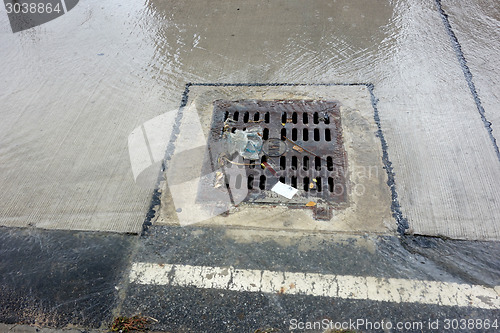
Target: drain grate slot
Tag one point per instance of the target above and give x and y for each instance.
(302, 143)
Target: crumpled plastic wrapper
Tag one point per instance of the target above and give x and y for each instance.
(247, 143)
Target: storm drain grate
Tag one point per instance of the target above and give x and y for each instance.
(303, 148)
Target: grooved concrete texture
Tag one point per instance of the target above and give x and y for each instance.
(75, 88)
(447, 171)
(476, 24)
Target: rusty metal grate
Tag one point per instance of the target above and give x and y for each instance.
(302, 144)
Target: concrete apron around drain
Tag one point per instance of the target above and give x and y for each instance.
(364, 206)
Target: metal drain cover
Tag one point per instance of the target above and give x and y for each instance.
(303, 148)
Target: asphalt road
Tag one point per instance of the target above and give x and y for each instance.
(81, 279)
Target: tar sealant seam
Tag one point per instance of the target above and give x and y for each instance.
(468, 75)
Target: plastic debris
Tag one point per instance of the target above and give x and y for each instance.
(285, 190)
(310, 204)
(274, 147)
(270, 168)
(247, 143)
(219, 179)
(310, 152)
(297, 148)
(224, 158)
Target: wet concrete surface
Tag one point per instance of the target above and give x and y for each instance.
(476, 26)
(61, 278)
(76, 87)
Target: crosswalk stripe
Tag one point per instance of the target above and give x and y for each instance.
(314, 284)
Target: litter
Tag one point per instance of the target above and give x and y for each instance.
(219, 179)
(310, 204)
(270, 168)
(248, 143)
(285, 190)
(232, 162)
(297, 148)
(274, 147)
(310, 152)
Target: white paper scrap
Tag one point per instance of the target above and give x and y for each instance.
(284, 190)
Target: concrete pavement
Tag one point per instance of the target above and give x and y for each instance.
(66, 162)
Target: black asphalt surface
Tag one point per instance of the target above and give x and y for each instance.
(62, 278)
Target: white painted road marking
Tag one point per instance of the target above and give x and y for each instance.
(313, 284)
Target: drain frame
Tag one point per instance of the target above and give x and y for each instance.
(315, 163)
